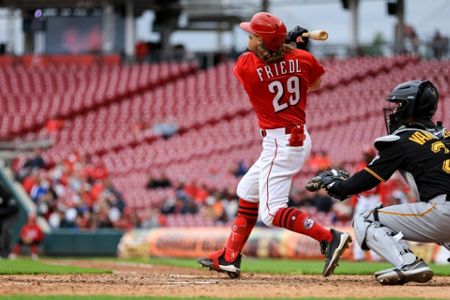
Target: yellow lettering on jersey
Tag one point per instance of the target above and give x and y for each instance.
(446, 134)
(421, 137)
(438, 146)
(446, 166)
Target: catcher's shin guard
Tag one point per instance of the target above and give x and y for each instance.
(217, 262)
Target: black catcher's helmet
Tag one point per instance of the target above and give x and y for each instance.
(414, 98)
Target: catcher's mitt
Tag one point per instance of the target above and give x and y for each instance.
(325, 178)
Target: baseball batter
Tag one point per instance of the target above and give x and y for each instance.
(277, 78)
(420, 149)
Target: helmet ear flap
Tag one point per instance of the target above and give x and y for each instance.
(425, 105)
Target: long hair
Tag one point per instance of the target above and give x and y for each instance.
(269, 56)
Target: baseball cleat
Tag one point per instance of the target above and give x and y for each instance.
(378, 273)
(418, 271)
(217, 262)
(333, 250)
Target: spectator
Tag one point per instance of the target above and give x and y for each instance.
(319, 160)
(9, 211)
(215, 209)
(412, 40)
(230, 204)
(322, 202)
(439, 45)
(165, 128)
(128, 221)
(31, 166)
(241, 169)
(150, 219)
(141, 126)
(31, 236)
(161, 181)
(36, 161)
(103, 220)
(197, 192)
(53, 125)
(299, 198)
(142, 51)
(72, 192)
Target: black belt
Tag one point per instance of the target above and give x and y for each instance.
(287, 130)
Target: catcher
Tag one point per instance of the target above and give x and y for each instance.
(420, 150)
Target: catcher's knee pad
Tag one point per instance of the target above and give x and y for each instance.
(360, 224)
(371, 234)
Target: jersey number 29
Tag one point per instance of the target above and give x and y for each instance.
(292, 87)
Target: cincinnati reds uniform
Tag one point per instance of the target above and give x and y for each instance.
(278, 94)
(276, 78)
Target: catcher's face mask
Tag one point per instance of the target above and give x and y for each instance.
(395, 115)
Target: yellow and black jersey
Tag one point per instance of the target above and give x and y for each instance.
(422, 154)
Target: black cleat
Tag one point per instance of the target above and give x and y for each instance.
(219, 264)
(418, 271)
(333, 250)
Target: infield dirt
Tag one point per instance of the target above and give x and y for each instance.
(129, 279)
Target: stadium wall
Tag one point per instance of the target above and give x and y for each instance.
(195, 242)
(69, 242)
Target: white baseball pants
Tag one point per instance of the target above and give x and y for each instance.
(269, 179)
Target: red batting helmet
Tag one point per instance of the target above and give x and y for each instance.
(269, 27)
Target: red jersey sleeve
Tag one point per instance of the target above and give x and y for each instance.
(317, 70)
(238, 66)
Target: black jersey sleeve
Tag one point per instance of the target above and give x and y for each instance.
(388, 160)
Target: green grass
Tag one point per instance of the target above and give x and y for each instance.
(251, 265)
(25, 297)
(27, 266)
(294, 267)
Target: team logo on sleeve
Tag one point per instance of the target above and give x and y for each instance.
(374, 159)
(308, 223)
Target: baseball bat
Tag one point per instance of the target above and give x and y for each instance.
(319, 34)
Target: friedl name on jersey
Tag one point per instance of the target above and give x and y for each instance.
(277, 69)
